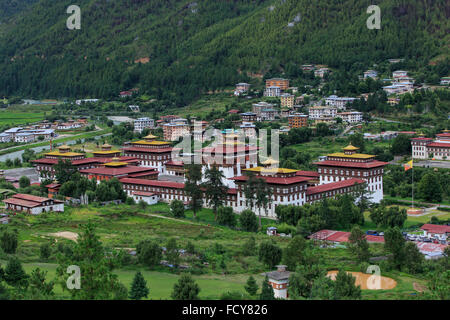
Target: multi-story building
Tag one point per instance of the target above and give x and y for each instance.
(445, 81)
(298, 120)
(350, 164)
(287, 100)
(308, 67)
(231, 154)
(46, 166)
(258, 107)
(198, 130)
(351, 117)
(395, 88)
(4, 137)
(150, 152)
(399, 74)
(118, 169)
(370, 74)
(281, 83)
(249, 129)
(339, 102)
(143, 123)
(287, 188)
(24, 137)
(249, 117)
(322, 112)
(242, 87)
(176, 129)
(321, 72)
(425, 148)
(272, 92)
(269, 114)
(32, 204)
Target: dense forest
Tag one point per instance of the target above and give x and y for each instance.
(9, 8)
(176, 50)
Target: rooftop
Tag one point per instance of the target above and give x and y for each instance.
(333, 186)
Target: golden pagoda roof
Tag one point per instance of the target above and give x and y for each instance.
(270, 161)
(64, 147)
(63, 154)
(115, 164)
(106, 145)
(269, 170)
(350, 148)
(152, 143)
(106, 151)
(150, 136)
(354, 155)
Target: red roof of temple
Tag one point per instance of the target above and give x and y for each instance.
(312, 174)
(276, 180)
(351, 164)
(149, 150)
(439, 145)
(333, 186)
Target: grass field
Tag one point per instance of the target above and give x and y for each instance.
(123, 226)
(14, 118)
(161, 283)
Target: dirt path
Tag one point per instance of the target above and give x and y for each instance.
(368, 281)
(65, 234)
(169, 218)
(419, 287)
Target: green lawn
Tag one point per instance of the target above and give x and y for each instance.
(19, 118)
(161, 283)
(123, 226)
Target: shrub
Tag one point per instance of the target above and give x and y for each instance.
(248, 221)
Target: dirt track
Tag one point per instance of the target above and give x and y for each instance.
(367, 283)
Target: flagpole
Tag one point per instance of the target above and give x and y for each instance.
(412, 166)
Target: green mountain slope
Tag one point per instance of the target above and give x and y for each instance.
(9, 8)
(193, 47)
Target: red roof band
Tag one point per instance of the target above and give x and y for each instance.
(334, 186)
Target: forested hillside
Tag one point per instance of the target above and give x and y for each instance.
(191, 47)
(9, 8)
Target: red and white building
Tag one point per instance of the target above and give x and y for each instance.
(436, 231)
(150, 152)
(438, 149)
(349, 164)
(33, 204)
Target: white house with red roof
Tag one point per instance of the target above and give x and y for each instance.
(440, 232)
(33, 204)
(438, 149)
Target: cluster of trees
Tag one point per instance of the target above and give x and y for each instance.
(385, 217)
(301, 135)
(431, 185)
(258, 196)
(327, 214)
(76, 186)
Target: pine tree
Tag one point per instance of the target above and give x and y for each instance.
(267, 290)
(15, 274)
(185, 288)
(139, 288)
(251, 287)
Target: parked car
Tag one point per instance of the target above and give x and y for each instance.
(372, 233)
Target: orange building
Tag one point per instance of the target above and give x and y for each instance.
(298, 120)
(283, 84)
